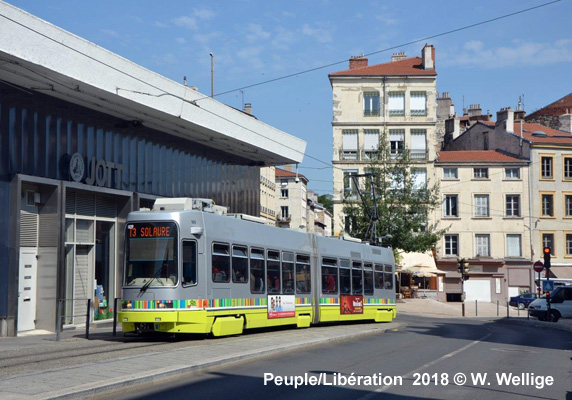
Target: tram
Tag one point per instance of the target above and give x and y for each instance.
(192, 271)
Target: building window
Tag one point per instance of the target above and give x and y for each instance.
(548, 241)
(371, 104)
(418, 144)
(568, 205)
(350, 189)
(482, 245)
(569, 244)
(370, 143)
(396, 141)
(450, 173)
(546, 170)
(512, 173)
(481, 205)
(567, 168)
(284, 212)
(547, 202)
(396, 104)
(480, 173)
(513, 205)
(451, 245)
(418, 103)
(284, 193)
(349, 144)
(451, 205)
(513, 246)
(419, 178)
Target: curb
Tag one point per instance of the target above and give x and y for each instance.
(161, 375)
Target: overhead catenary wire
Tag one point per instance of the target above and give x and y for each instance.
(163, 92)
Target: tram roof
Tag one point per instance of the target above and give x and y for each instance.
(37, 55)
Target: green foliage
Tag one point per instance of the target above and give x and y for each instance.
(327, 202)
(402, 207)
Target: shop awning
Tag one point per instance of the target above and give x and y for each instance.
(419, 264)
(562, 272)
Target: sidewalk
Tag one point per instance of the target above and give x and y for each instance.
(76, 368)
(38, 367)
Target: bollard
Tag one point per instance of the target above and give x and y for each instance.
(497, 308)
(476, 308)
(87, 319)
(527, 313)
(59, 320)
(115, 316)
(517, 311)
(507, 315)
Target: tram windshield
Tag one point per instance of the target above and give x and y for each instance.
(151, 254)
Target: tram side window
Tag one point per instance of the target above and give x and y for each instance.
(287, 272)
(367, 279)
(345, 277)
(257, 271)
(303, 281)
(221, 262)
(189, 263)
(273, 271)
(388, 284)
(239, 264)
(357, 286)
(378, 276)
(329, 276)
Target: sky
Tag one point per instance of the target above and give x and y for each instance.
(256, 41)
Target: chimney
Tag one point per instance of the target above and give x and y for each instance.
(519, 113)
(398, 56)
(428, 56)
(358, 62)
(247, 108)
(565, 122)
(452, 128)
(505, 120)
(445, 107)
(475, 110)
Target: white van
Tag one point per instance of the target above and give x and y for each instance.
(560, 305)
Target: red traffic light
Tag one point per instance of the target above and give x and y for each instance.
(546, 250)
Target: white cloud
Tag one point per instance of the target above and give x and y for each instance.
(159, 24)
(320, 34)
(203, 13)
(180, 40)
(520, 53)
(256, 32)
(250, 56)
(186, 22)
(206, 38)
(111, 33)
(168, 58)
(288, 14)
(386, 19)
(283, 38)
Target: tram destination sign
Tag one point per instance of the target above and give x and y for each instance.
(151, 230)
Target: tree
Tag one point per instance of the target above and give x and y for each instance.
(327, 201)
(403, 205)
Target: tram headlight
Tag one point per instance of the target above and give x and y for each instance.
(158, 319)
(125, 319)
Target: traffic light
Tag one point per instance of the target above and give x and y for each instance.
(547, 251)
(463, 268)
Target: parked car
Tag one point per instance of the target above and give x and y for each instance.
(522, 300)
(560, 305)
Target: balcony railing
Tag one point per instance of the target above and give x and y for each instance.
(371, 113)
(372, 155)
(418, 154)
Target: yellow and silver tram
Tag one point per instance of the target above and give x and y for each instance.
(190, 271)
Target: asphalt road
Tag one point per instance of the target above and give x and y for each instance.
(419, 360)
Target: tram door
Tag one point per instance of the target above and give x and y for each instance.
(27, 289)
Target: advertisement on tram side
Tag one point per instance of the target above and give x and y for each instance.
(351, 304)
(281, 306)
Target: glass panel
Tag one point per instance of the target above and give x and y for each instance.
(345, 281)
(239, 264)
(273, 272)
(303, 281)
(257, 270)
(287, 272)
(189, 263)
(151, 254)
(105, 270)
(329, 277)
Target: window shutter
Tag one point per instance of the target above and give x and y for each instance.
(350, 140)
(396, 101)
(418, 140)
(371, 140)
(418, 103)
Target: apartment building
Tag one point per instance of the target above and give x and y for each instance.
(485, 207)
(268, 194)
(291, 199)
(397, 99)
(549, 155)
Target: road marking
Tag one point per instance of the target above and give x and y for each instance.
(409, 375)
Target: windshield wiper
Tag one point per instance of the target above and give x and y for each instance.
(157, 274)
